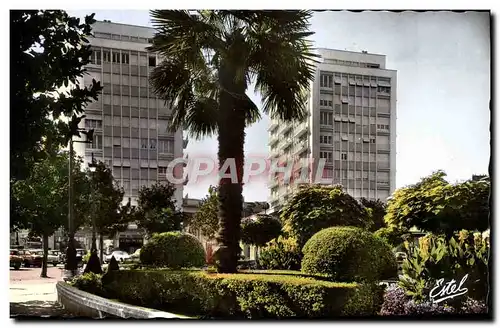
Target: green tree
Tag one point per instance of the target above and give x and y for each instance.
(156, 210)
(377, 212)
(43, 197)
(206, 218)
(49, 50)
(209, 59)
(108, 213)
(260, 230)
(316, 207)
(435, 205)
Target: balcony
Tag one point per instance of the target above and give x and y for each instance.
(273, 141)
(272, 127)
(301, 129)
(286, 128)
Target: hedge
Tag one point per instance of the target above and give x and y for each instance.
(243, 295)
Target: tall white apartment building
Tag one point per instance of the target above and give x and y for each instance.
(129, 121)
(351, 123)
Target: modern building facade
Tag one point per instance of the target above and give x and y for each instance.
(130, 123)
(351, 123)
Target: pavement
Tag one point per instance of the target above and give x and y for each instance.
(32, 296)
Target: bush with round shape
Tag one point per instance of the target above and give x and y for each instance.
(348, 254)
(316, 207)
(280, 254)
(173, 250)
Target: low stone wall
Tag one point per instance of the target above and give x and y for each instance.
(85, 304)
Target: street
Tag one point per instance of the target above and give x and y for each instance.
(31, 295)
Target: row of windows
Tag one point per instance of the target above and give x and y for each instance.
(163, 146)
(328, 155)
(326, 118)
(121, 57)
(117, 100)
(351, 174)
(352, 63)
(357, 101)
(327, 139)
(383, 126)
(133, 122)
(122, 37)
(328, 79)
(134, 163)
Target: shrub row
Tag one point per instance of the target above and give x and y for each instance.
(250, 295)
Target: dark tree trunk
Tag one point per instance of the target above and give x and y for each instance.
(231, 139)
(101, 250)
(45, 240)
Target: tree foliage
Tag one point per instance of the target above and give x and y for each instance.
(43, 197)
(49, 50)
(156, 209)
(435, 205)
(106, 202)
(377, 212)
(206, 218)
(208, 61)
(316, 207)
(260, 230)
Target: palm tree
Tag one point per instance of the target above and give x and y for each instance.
(208, 58)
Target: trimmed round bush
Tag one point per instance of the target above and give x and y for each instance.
(348, 254)
(173, 250)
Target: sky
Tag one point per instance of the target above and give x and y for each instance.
(443, 91)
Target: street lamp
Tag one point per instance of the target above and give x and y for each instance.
(93, 248)
(71, 264)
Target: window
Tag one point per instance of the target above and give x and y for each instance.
(372, 140)
(116, 57)
(165, 146)
(93, 124)
(162, 170)
(384, 89)
(326, 118)
(144, 81)
(116, 100)
(144, 123)
(117, 121)
(152, 124)
(328, 173)
(343, 156)
(152, 144)
(117, 142)
(96, 142)
(126, 122)
(95, 58)
(144, 143)
(134, 143)
(152, 61)
(106, 56)
(134, 122)
(126, 143)
(115, 79)
(326, 81)
(326, 154)
(125, 58)
(325, 139)
(133, 59)
(107, 141)
(143, 60)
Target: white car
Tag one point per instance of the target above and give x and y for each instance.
(120, 256)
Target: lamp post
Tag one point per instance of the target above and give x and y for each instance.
(93, 247)
(71, 264)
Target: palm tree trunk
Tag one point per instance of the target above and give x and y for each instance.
(231, 139)
(45, 239)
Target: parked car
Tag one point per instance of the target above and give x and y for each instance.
(120, 256)
(15, 259)
(136, 255)
(53, 257)
(34, 259)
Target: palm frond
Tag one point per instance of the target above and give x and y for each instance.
(282, 62)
